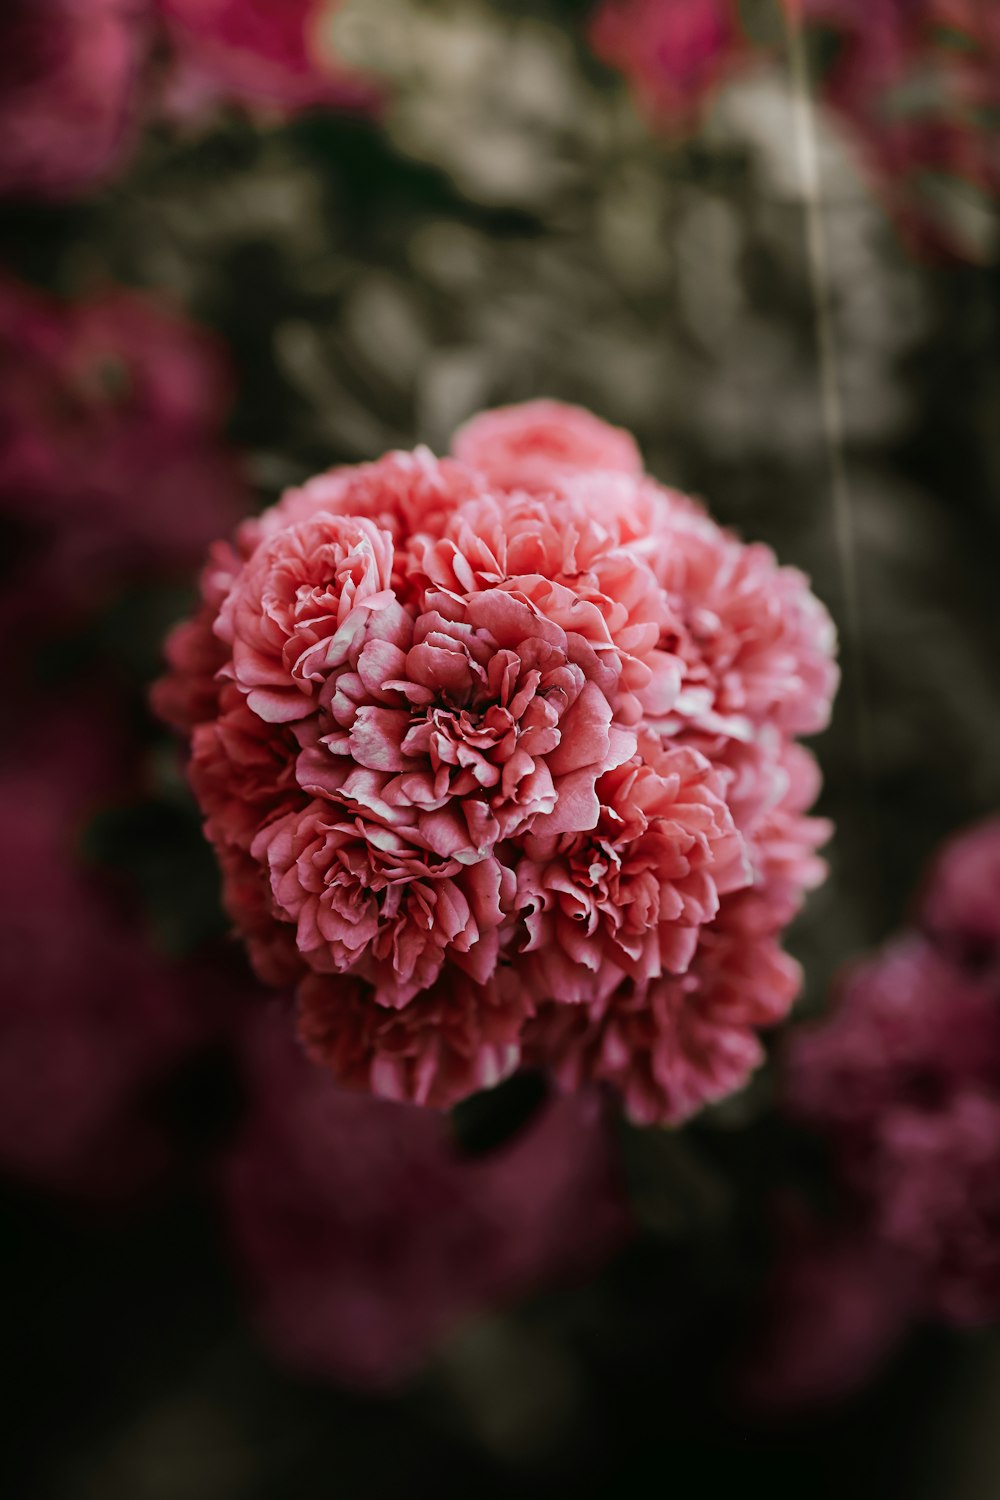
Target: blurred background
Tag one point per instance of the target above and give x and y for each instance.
(243, 240)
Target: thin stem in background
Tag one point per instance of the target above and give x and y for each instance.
(844, 531)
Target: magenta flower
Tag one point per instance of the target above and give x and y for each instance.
(904, 1079)
(674, 53)
(835, 1306)
(959, 905)
(70, 79)
(490, 768)
(265, 54)
(112, 458)
(92, 1020)
(366, 1237)
(916, 81)
(80, 78)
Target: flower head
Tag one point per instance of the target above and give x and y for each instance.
(493, 763)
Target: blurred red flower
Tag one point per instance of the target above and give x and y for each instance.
(265, 54)
(69, 92)
(113, 461)
(365, 1235)
(92, 1019)
(902, 1078)
(673, 52)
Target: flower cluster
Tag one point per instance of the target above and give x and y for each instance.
(496, 755)
(904, 1078)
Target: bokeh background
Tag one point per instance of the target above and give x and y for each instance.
(241, 242)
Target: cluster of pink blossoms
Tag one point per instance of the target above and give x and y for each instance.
(496, 755)
(904, 1078)
(903, 1081)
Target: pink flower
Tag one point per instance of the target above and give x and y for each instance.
(916, 81)
(633, 893)
(676, 1042)
(554, 554)
(494, 716)
(907, 1025)
(757, 646)
(368, 895)
(266, 54)
(69, 91)
(527, 446)
(469, 752)
(76, 75)
(300, 607)
(452, 1040)
(366, 1237)
(904, 1078)
(834, 1308)
(246, 898)
(243, 771)
(674, 53)
(938, 1185)
(92, 1019)
(960, 905)
(111, 449)
(404, 494)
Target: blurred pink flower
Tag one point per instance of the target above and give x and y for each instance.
(916, 81)
(366, 1236)
(522, 447)
(674, 53)
(92, 1021)
(960, 902)
(266, 54)
(467, 751)
(112, 458)
(80, 78)
(907, 1027)
(936, 1179)
(70, 75)
(904, 1079)
(835, 1306)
